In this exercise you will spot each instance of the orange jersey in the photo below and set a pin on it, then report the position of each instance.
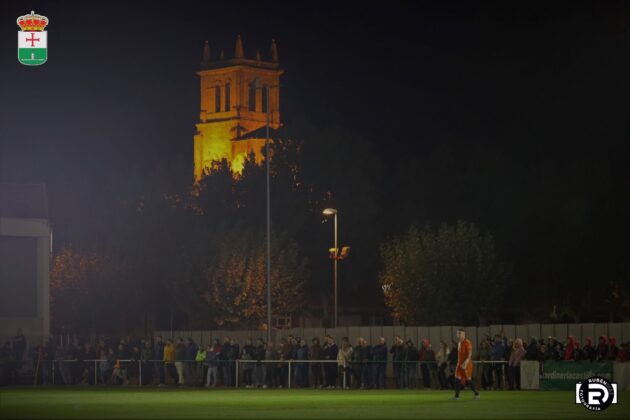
(464, 351)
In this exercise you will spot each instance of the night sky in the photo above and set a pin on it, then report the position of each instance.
(119, 94)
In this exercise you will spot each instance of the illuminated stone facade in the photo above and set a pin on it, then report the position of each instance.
(233, 107)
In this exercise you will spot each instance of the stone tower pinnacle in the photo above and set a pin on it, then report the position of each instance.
(238, 49)
(206, 52)
(274, 51)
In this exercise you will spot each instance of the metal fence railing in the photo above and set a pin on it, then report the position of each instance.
(248, 373)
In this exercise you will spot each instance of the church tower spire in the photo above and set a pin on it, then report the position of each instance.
(237, 95)
(274, 51)
(206, 53)
(238, 49)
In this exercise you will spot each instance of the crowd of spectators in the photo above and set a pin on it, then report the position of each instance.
(325, 364)
(499, 348)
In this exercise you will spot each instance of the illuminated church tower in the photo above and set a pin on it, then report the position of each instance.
(233, 107)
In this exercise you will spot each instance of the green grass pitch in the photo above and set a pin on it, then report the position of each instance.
(196, 403)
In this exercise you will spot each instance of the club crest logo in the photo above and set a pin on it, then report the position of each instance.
(32, 39)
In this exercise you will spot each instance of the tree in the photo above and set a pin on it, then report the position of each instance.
(448, 275)
(87, 292)
(232, 289)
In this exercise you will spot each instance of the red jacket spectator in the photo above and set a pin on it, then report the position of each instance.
(569, 348)
(602, 348)
(612, 349)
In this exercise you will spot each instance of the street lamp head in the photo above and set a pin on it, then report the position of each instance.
(329, 211)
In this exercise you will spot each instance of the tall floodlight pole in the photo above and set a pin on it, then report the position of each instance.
(267, 159)
(258, 85)
(334, 212)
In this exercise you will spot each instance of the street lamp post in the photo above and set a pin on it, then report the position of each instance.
(334, 212)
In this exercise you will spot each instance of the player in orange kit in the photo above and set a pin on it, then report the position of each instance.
(463, 371)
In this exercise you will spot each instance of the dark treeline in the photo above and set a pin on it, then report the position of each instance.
(167, 252)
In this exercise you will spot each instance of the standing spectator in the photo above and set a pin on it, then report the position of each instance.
(379, 359)
(429, 372)
(236, 350)
(302, 367)
(120, 366)
(569, 349)
(259, 356)
(330, 354)
(486, 371)
(286, 354)
(226, 350)
(190, 364)
(18, 346)
(517, 354)
(211, 361)
(578, 353)
(412, 356)
(588, 350)
(134, 356)
(442, 363)
(344, 356)
(169, 360)
(62, 356)
(452, 364)
(47, 366)
(180, 357)
(365, 355)
(201, 368)
(294, 347)
(497, 355)
(146, 355)
(602, 348)
(272, 369)
(613, 350)
(356, 366)
(397, 352)
(158, 359)
(531, 352)
(108, 367)
(105, 364)
(316, 368)
(624, 352)
(74, 352)
(88, 355)
(366, 374)
(247, 354)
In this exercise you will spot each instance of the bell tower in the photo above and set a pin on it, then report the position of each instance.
(234, 110)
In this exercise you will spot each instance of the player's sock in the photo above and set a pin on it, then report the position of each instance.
(471, 384)
(458, 386)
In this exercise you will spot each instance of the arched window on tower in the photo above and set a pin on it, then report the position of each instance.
(217, 99)
(265, 97)
(252, 97)
(227, 97)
